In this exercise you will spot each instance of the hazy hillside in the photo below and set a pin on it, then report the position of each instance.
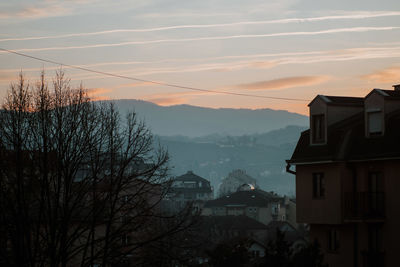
(194, 121)
(213, 157)
(213, 142)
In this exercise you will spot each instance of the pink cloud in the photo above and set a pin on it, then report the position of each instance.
(283, 83)
(98, 93)
(388, 75)
(169, 99)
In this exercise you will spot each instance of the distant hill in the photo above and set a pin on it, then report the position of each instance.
(213, 142)
(213, 157)
(192, 121)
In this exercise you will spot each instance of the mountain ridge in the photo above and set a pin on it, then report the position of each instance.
(196, 121)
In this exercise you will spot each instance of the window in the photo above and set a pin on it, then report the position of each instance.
(375, 123)
(374, 238)
(126, 240)
(333, 240)
(318, 128)
(318, 185)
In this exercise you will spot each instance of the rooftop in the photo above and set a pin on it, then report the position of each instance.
(347, 142)
(231, 222)
(252, 198)
(191, 177)
(341, 100)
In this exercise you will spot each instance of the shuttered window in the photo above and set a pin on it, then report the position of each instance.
(375, 123)
(318, 128)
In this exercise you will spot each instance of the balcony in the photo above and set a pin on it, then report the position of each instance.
(364, 206)
(373, 258)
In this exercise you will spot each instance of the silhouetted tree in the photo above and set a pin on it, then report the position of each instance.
(310, 256)
(230, 253)
(278, 252)
(79, 185)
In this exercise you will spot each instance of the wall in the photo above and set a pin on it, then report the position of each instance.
(320, 211)
(343, 257)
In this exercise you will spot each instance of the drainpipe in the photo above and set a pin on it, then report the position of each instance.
(288, 168)
(355, 227)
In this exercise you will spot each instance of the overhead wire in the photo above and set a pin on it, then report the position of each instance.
(148, 81)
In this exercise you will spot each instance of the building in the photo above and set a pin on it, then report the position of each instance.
(235, 179)
(222, 228)
(295, 238)
(254, 203)
(189, 187)
(347, 177)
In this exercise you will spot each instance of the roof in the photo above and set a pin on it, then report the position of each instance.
(253, 198)
(231, 222)
(290, 233)
(340, 100)
(281, 225)
(191, 177)
(191, 190)
(347, 142)
(393, 94)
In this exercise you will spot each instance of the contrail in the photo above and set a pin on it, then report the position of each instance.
(325, 56)
(281, 34)
(280, 58)
(364, 15)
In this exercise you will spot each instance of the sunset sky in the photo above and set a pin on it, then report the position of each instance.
(276, 48)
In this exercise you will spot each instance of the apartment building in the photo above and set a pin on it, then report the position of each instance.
(189, 187)
(347, 168)
(254, 203)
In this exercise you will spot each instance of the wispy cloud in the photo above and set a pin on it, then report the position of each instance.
(169, 99)
(59, 9)
(388, 75)
(297, 58)
(98, 93)
(41, 9)
(283, 83)
(248, 61)
(34, 12)
(8, 77)
(229, 37)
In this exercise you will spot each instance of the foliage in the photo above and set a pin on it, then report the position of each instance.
(79, 185)
(309, 256)
(230, 253)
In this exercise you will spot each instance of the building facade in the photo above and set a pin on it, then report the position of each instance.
(189, 187)
(347, 178)
(254, 203)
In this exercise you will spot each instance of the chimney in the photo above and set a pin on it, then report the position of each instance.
(396, 87)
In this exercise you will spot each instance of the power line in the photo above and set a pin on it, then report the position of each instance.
(149, 81)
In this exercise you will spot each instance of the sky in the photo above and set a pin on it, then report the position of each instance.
(291, 49)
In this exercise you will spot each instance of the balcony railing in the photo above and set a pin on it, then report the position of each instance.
(373, 258)
(364, 206)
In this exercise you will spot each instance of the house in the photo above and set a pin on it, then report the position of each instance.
(189, 187)
(230, 231)
(347, 169)
(235, 179)
(254, 203)
(221, 228)
(295, 238)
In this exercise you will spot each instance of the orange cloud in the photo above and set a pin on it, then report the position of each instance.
(169, 99)
(133, 85)
(284, 83)
(262, 64)
(388, 75)
(8, 77)
(97, 93)
(52, 10)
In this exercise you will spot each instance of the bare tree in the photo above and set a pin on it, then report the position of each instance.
(79, 184)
